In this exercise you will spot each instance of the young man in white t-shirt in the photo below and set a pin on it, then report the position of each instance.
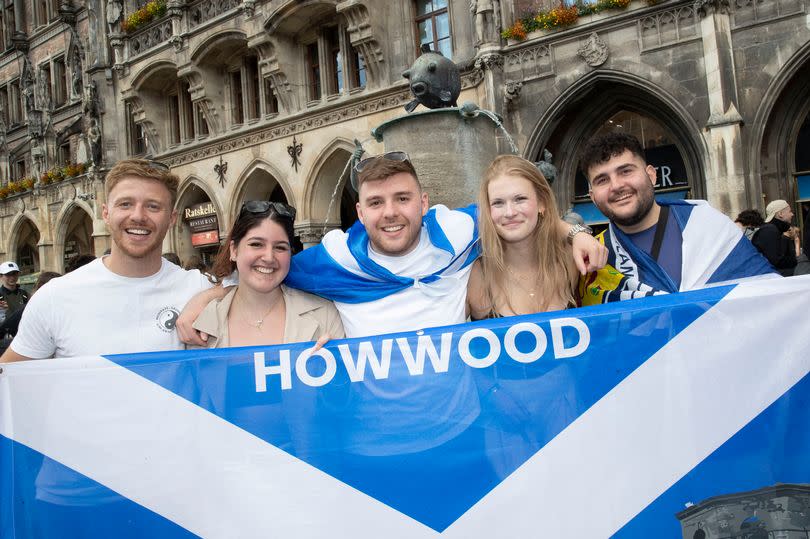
(127, 301)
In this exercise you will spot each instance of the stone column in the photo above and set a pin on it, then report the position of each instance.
(47, 257)
(312, 232)
(490, 62)
(19, 17)
(725, 173)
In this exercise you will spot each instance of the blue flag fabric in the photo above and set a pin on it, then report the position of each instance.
(655, 417)
(340, 269)
(714, 251)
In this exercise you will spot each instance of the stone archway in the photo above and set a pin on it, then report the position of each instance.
(582, 111)
(259, 181)
(780, 148)
(24, 247)
(329, 198)
(78, 236)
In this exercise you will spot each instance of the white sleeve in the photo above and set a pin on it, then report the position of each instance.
(35, 336)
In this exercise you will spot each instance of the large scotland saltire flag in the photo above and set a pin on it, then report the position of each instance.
(673, 416)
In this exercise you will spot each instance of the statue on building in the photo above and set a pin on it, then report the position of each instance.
(115, 12)
(546, 167)
(43, 92)
(90, 102)
(3, 140)
(92, 127)
(94, 141)
(487, 20)
(37, 155)
(27, 87)
(76, 83)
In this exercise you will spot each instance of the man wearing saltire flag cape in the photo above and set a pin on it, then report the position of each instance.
(656, 247)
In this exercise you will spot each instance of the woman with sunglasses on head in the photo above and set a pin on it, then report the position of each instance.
(526, 265)
(260, 310)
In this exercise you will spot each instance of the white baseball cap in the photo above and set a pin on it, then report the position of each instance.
(773, 208)
(8, 267)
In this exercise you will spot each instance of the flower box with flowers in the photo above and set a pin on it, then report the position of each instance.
(544, 22)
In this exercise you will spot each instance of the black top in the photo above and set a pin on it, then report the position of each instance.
(775, 246)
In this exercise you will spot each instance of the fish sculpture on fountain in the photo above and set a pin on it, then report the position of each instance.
(435, 81)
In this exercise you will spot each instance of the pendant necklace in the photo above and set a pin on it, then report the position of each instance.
(518, 282)
(258, 323)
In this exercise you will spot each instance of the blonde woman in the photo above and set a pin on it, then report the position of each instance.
(526, 264)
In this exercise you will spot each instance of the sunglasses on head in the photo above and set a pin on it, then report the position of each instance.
(158, 165)
(390, 156)
(264, 206)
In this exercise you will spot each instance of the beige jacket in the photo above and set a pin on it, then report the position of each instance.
(308, 317)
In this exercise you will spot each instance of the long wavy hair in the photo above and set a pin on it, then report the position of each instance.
(551, 252)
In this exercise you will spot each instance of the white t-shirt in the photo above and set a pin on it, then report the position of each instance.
(427, 410)
(417, 307)
(93, 311)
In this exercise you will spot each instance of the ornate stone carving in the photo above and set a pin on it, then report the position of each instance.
(594, 51)
(707, 7)
(202, 12)
(489, 61)
(177, 43)
(531, 63)
(312, 233)
(358, 24)
(249, 7)
(472, 78)
(292, 127)
(511, 92)
(151, 37)
(668, 27)
(211, 115)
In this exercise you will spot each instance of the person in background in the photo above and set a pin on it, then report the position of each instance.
(11, 323)
(749, 222)
(194, 262)
(776, 240)
(13, 298)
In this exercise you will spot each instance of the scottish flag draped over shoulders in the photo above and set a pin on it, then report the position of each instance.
(714, 251)
(340, 268)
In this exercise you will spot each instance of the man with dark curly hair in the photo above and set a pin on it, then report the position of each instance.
(656, 247)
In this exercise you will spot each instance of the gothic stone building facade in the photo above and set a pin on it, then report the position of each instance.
(249, 99)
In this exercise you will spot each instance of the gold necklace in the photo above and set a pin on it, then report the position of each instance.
(517, 280)
(258, 323)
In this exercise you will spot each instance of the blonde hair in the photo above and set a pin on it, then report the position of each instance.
(552, 257)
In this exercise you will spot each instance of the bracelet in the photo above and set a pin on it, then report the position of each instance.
(576, 229)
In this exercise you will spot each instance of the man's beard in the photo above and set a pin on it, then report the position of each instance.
(646, 200)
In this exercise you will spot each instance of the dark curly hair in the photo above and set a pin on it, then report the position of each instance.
(750, 217)
(602, 148)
